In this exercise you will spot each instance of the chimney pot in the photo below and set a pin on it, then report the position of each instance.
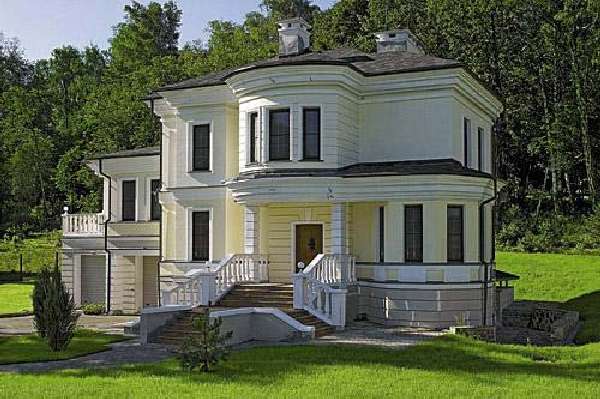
(398, 40)
(294, 37)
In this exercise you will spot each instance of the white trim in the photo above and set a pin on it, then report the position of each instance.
(189, 127)
(293, 248)
(188, 229)
(148, 198)
(120, 181)
(321, 107)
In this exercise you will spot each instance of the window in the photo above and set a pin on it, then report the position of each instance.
(481, 146)
(200, 238)
(311, 124)
(128, 200)
(201, 148)
(467, 141)
(253, 120)
(279, 135)
(413, 233)
(455, 238)
(154, 203)
(381, 234)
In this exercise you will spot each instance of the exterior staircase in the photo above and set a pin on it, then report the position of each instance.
(271, 295)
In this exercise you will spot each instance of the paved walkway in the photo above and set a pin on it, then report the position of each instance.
(364, 333)
(109, 324)
(121, 353)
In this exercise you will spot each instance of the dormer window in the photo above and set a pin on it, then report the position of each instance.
(279, 135)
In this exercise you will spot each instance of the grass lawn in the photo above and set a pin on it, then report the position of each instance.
(30, 348)
(573, 280)
(15, 297)
(38, 252)
(445, 367)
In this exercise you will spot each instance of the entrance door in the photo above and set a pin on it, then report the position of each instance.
(309, 242)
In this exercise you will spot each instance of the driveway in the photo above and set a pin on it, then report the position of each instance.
(109, 324)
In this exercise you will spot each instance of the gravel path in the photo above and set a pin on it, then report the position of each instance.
(109, 324)
(121, 353)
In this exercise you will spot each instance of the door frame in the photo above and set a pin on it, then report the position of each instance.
(293, 247)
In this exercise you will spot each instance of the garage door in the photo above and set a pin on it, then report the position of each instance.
(93, 279)
(150, 281)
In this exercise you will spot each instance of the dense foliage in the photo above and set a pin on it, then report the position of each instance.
(541, 57)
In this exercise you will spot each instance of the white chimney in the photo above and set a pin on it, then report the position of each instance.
(398, 40)
(294, 37)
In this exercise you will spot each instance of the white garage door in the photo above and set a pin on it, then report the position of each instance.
(93, 279)
(150, 281)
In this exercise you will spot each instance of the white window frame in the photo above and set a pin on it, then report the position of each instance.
(293, 249)
(190, 146)
(148, 197)
(301, 132)
(257, 139)
(120, 181)
(268, 109)
(188, 229)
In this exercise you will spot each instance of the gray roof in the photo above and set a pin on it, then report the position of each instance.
(138, 152)
(367, 64)
(368, 169)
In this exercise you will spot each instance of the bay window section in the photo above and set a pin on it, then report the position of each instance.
(128, 194)
(201, 148)
(279, 135)
(200, 236)
(413, 233)
(455, 234)
(311, 126)
(253, 120)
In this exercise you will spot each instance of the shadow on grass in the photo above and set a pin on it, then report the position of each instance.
(588, 306)
(446, 355)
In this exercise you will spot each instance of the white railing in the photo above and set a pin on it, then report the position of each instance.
(206, 285)
(83, 223)
(321, 287)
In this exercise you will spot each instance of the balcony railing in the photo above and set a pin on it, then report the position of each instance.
(83, 223)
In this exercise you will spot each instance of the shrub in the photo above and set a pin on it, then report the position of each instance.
(207, 348)
(92, 309)
(55, 318)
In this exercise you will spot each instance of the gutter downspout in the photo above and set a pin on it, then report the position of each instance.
(106, 222)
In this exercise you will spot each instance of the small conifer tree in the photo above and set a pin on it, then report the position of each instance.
(208, 347)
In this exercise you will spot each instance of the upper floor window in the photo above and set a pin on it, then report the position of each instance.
(455, 237)
(311, 124)
(128, 200)
(201, 147)
(279, 135)
(200, 236)
(413, 233)
(467, 142)
(154, 203)
(253, 120)
(481, 148)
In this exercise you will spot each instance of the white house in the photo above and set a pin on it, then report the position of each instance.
(365, 180)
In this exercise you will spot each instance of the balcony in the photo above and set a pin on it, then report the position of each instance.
(83, 224)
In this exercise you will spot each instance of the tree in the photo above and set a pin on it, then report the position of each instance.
(208, 347)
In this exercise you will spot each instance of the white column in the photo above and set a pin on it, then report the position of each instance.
(338, 228)
(252, 230)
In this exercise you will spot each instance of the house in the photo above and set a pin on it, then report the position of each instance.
(365, 181)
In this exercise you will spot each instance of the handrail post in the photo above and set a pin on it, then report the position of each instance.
(298, 281)
(207, 288)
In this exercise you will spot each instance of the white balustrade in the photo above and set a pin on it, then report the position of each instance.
(83, 223)
(321, 287)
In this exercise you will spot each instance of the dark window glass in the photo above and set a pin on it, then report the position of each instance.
(200, 236)
(381, 234)
(311, 123)
(128, 192)
(201, 147)
(455, 241)
(154, 203)
(279, 135)
(253, 130)
(467, 141)
(481, 146)
(413, 233)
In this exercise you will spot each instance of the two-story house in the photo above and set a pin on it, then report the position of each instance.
(366, 180)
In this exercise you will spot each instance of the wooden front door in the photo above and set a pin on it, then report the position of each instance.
(309, 242)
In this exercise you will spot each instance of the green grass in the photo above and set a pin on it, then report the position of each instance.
(16, 297)
(449, 367)
(573, 280)
(31, 348)
(38, 252)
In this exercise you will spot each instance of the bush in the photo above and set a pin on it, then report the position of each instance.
(55, 319)
(207, 348)
(92, 309)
